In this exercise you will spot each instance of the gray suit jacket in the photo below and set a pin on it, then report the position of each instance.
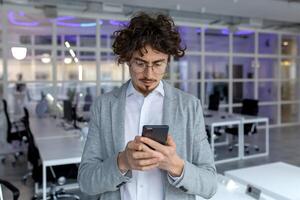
(98, 171)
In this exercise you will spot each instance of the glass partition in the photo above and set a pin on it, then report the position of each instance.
(187, 68)
(217, 40)
(243, 41)
(216, 67)
(243, 68)
(268, 43)
(191, 38)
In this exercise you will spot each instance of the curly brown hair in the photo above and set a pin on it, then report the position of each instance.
(156, 30)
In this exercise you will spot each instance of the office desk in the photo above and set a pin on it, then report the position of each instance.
(232, 190)
(49, 128)
(279, 180)
(215, 119)
(58, 151)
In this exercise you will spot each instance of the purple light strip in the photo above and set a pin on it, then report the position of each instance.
(12, 20)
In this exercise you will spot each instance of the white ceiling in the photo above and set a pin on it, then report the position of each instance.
(278, 10)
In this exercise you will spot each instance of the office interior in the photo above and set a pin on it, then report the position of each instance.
(59, 53)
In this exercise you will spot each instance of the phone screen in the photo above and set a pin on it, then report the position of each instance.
(159, 133)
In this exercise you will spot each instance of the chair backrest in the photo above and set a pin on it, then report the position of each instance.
(15, 191)
(250, 107)
(9, 125)
(33, 155)
(214, 101)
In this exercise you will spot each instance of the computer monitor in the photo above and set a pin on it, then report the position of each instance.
(68, 111)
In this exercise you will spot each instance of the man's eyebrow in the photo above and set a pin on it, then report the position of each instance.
(156, 61)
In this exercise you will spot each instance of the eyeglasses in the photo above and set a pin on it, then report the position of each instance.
(139, 66)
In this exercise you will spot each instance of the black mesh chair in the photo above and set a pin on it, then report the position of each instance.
(55, 175)
(214, 101)
(249, 107)
(15, 132)
(15, 191)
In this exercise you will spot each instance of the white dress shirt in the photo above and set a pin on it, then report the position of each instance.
(140, 111)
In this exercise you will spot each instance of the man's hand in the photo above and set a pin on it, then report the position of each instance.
(137, 156)
(169, 160)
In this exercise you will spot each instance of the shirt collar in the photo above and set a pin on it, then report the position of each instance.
(159, 89)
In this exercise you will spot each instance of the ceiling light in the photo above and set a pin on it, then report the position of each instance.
(19, 53)
(285, 43)
(76, 60)
(46, 58)
(68, 60)
(72, 53)
(67, 44)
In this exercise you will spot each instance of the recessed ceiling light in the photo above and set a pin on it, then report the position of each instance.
(285, 43)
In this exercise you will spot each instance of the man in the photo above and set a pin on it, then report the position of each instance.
(117, 162)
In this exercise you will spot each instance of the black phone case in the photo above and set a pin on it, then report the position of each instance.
(159, 133)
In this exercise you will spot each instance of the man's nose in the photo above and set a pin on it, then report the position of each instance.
(148, 71)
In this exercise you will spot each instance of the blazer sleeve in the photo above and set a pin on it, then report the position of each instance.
(98, 173)
(200, 177)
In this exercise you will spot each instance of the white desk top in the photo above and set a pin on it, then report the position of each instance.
(231, 190)
(278, 180)
(49, 128)
(59, 151)
(216, 117)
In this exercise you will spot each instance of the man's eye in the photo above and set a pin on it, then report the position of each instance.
(158, 64)
(139, 63)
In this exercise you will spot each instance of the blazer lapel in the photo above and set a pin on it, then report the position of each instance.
(169, 108)
(118, 118)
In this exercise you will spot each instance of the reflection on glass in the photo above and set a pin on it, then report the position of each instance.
(242, 90)
(191, 37)
(21, 25)
(110, 70)
(87, 40)
(217, 87)
(31, 67)
(72, 39)
(81, 94)
(187, 68)
(268, 68)
(243, 41)
(289, 69)
(289, 45)
(217, 40)
(108, 27)
(193, 88)
(269, 112)
(43, 39)
(107, 87)
(216, 67)
(290, 113)
(28, 96)
(290, 90)
(243, 68)
(268, 43)
(268, 91)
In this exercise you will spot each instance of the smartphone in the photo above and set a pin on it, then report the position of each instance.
(159, 133)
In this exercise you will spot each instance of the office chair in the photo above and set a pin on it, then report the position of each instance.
(54, 174)
(15, 191)
(15, 131)
(214, 102)
(249, 107)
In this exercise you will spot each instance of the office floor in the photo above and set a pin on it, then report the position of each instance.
(284, 146)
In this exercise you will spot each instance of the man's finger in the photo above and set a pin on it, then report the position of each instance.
(155, 145)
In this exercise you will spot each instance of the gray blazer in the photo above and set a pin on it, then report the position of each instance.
(98, 171)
